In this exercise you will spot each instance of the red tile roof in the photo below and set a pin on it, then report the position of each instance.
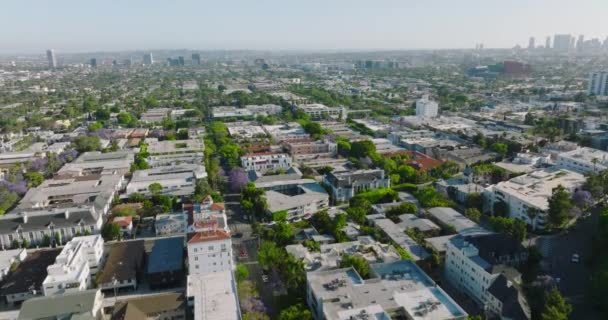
(123, 221)
(212, 235)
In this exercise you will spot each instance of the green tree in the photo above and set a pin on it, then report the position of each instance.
(279, 216)
(95, 126)
(110, 231)
(85, 144)
(124, 118)
(556, 307)
(473, 214)
(269, 255)
(155, 188)
(283, 233)
(295, 312)
(500, 148)
(33, 178)
(361, 149)
(358, 263)
(559, 206)
(474, 200)
(241, 272)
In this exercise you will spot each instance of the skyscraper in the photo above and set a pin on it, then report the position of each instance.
(181, 61)
(148, 60)
(561, 42)
(50, 56)
(196, 58)
(531, 43)
(548, 43)
(580, 42)
(93, 63)
(598, 83)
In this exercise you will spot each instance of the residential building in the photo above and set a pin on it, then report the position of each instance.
(160, 306)
(171, 224)
(196, 58)
(75, 305)
(125, 223)
(526, 196)
(458, 188)
(292, 131)
(330, 255)
(397, 235)
(397, 290)
(450, 218)
(92, 191)
(344, 185)
(423, 225)
(206, 215)
(8, 258)
(301, 198)
(426, 108)
(598, 83)
(583, 160)
(318, 111)
(267, 162)
(210, 251)
(92, 163)
(37, 226)
(308, 149)
(124, 266)
(173, 147)
(72, 270)
(213, 296)
(177, 180)
(25, 281)
(166, 263)
(481, 267)
(249, 111)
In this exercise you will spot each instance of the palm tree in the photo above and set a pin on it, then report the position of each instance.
(594, 161)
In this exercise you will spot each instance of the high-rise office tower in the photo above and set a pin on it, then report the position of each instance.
(93, 63)
(148, 60)
(548, 43)
(531, 43)
(580, 42)
(196, 58)
(50, 56)
(561, 42)
(181, 61)
(598, 83)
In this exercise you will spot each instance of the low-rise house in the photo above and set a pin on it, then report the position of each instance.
(75, 305)
(178, 180)
(171, 224)
(311, 149)
(151, 307)
(8, 258)
(481, 267)
(412, 221)
(213, 296)
(73, 267)
(25, 281)
(458, 189)
(125, 223)
(345, 185)
(395, 290)
(166, 263)
(318, 111)
(124, 266)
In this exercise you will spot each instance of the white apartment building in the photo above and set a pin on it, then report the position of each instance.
(73, 267)
(345, 185)
(210, 251)
(213, 296)
(598, 83)
(527, 196)
(178, 180)
(584, 160)
(426, 108)
(265, 163)
(475, 265)
(318, 111)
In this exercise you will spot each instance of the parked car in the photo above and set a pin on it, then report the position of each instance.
(575, 258)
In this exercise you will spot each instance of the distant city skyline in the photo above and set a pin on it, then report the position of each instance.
(71, 26)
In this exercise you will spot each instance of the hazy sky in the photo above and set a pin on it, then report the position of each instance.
(28, 26)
